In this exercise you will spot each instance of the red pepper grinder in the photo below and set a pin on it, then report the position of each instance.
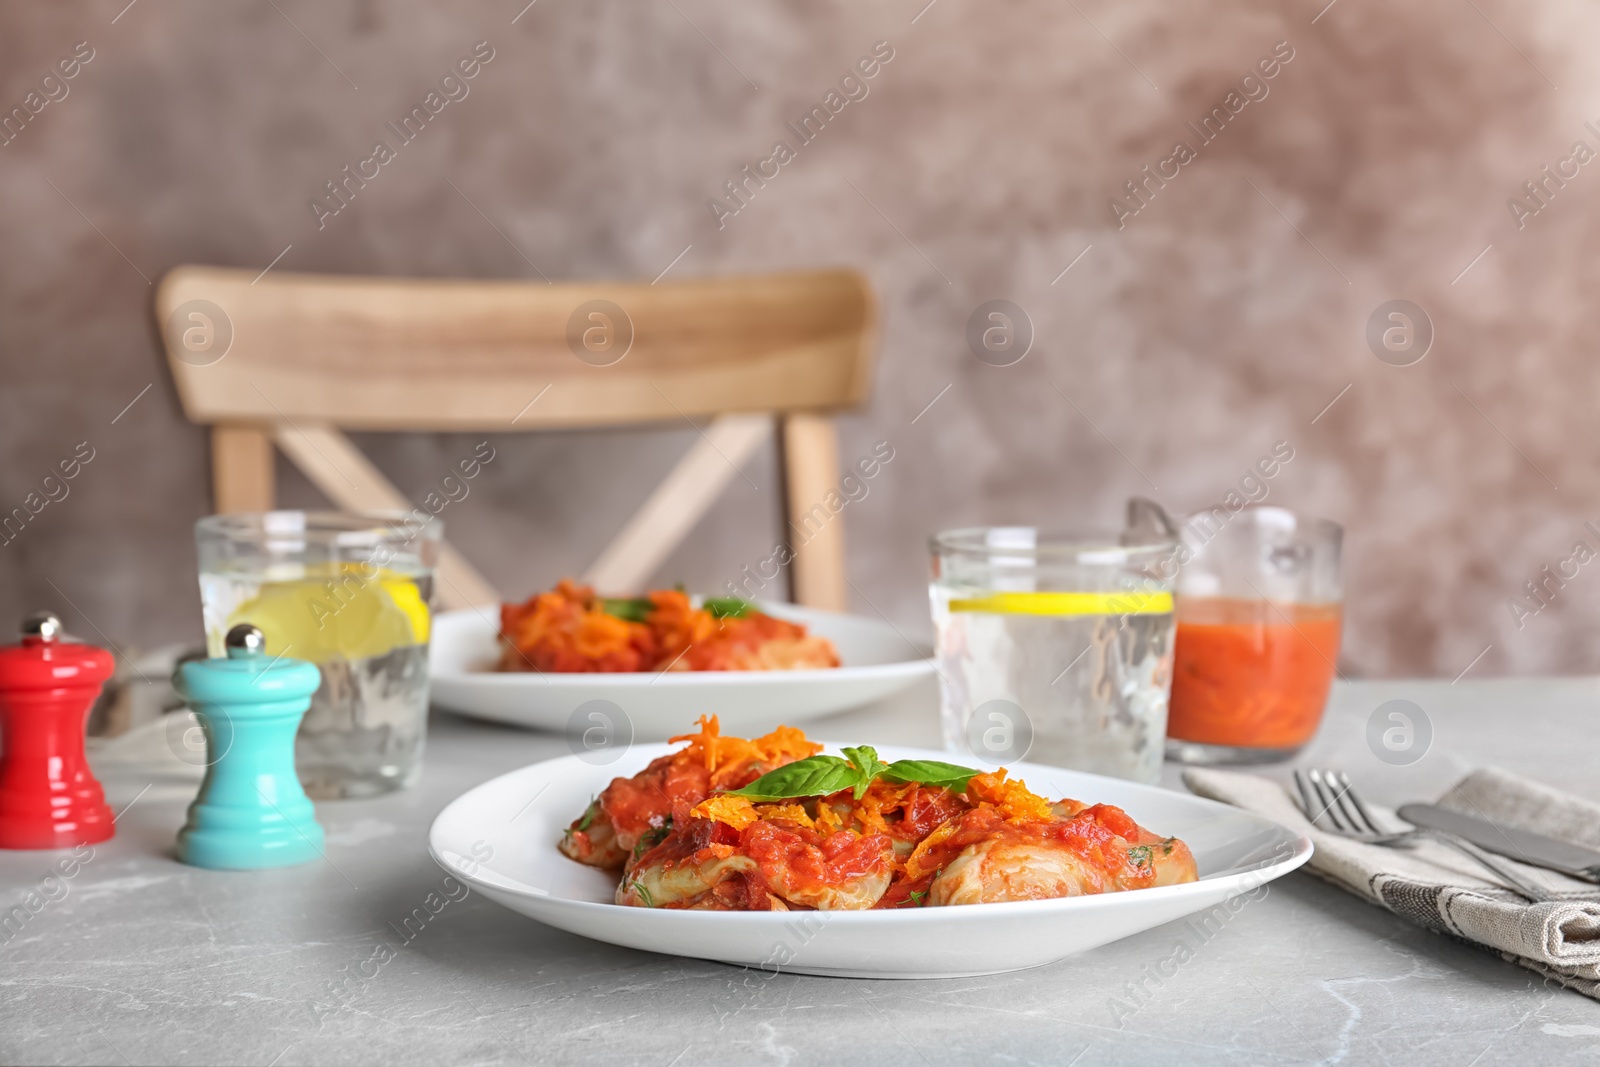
(48, 796)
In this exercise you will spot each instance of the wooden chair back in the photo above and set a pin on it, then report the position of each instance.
(293, 360)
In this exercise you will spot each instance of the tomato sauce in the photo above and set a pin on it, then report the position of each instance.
(689, 840)
(925, 811)
(1250, 673)
(631, 803)
(806, 860)
(1100, 836)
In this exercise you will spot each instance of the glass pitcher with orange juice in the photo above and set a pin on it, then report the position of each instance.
(1259, 608)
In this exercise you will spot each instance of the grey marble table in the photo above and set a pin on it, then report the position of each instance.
(143, 960)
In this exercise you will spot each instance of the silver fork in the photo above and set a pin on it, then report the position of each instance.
(1331, 804)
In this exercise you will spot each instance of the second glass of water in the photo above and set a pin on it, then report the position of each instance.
(1054, 647)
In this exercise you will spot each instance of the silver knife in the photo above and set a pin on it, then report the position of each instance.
(1578, 861)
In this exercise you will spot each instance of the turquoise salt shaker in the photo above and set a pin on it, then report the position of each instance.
(251, 812)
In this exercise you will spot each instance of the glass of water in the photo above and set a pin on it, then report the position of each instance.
(1055, 647)
(351, 593)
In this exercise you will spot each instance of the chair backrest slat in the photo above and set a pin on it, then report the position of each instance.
(424, 354)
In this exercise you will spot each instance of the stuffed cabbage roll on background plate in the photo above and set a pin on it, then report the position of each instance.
(662, 682)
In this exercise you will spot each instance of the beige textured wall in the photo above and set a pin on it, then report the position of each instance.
(1222, 318)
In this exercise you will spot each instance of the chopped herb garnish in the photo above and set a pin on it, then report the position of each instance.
(588, 814)
(652, 837)
(643, 893)
(1139, 855)
(917, 898)
(726, 607)
(1166, 847)
(632, 609)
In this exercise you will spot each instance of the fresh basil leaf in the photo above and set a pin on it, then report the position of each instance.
(631, 609)
(726, 607)
(930, 772)
(814, 776)
(866, 761)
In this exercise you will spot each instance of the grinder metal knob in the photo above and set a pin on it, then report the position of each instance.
(244, 639)
(44, 625)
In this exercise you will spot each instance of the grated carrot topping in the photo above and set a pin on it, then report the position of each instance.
(704, 743)
(736, 812)
(1014, 800)
(828, 820)
(787, 813)
(569, 629)
(882, 798)
(917, 863)
(599, 634)
(731, 758)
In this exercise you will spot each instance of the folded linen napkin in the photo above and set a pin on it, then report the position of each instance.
(1441, 890)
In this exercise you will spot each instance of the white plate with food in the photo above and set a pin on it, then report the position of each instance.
(663, 659)
(730, 850)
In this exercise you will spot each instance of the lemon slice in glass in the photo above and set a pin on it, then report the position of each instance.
(342, 616)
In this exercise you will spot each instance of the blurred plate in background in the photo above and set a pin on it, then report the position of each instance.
(877, 662)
